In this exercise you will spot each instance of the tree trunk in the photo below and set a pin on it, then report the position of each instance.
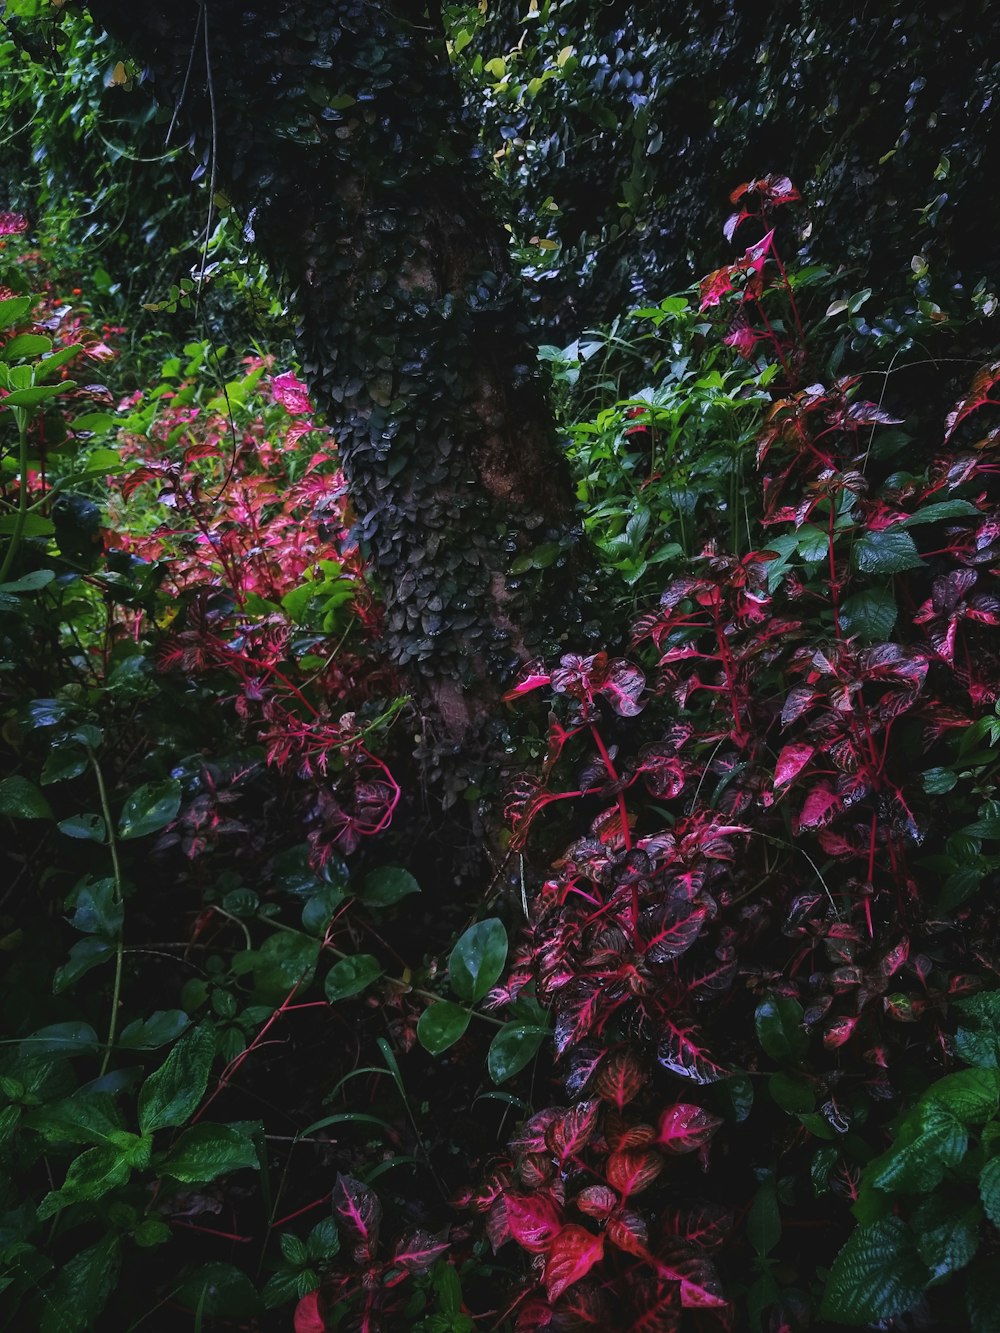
(337, 130)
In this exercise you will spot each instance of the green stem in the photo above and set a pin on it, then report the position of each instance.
(102, 792)
(22, 493)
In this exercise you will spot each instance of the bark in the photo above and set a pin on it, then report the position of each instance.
(337, 130)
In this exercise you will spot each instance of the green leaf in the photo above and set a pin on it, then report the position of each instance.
(982, 1296)
(778, 1022)
(58, 1041)
(36, 394)
(150, 808)
(90, 1176)
(977, 1040)
(971, 1096)
(48, 366)
(74, 1302)
(870, 614)
(764, 1220)
(171, 1094)
(96, 909)
(25, 345)
(90, 828)
(62, 763)
(219, 1291)
(441, 1025)
(293, 1249)
(161, 1027)
(282, 963)
(350, 976)
(514, 1047)
(989, 1189)
(387, 885)
(31, 582)
(878, 1274)
(13, 309)
(87, 1117)
(280, 1288)
(888, 551)
(83, 956)
(21, 799)
(933, 513)
(930, 1140)
(204, 1152)
(947, 1232)
(477, 959)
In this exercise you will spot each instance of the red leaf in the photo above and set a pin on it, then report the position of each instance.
(699, 1282)
(715, 286)
(620, 1078)
(821, 805)
(706, 1225)
(533, 1220)
(670, 930)
(977, 396)
(291, 393)
(622, 687)
(418, 1250)
(573, 1129)
(497, 1226)
(627, 1230)
(791, 761)
(685, 1127)
(597, 1200)
(307, 1315)
(631, 1170)
(681, 1053)
(838, 1031)
(358, 1208)
(531, 677)
(12, 223)
(572, 1256)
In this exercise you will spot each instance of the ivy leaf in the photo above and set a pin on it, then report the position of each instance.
(204, 1152)
(170, 1095)
(350, 976)
(477, 959)
(878, 1274)
(441, 1025)
(888, 551)
(150, 808)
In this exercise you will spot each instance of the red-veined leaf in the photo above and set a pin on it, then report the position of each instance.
(700, 1286)
(821, 805)
(631, 1170)
(620, 1078)
(530, 677)
(573, 1129)
(597, 1200)
(627, 1231)
(622, 687)
(685, 1127)
(670, 929)
(681, 1052)
(417, 1250)
(573, 1254)
(706, 1225)
(791, 761)
(359, 1209)
(291, 393)
(534, 1221)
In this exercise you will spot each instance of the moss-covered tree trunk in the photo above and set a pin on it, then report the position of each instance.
(337, 130)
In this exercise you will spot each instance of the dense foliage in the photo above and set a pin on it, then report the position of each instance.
(714, 1041)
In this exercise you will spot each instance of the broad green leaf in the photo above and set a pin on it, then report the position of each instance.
(84, 955)
(977, 1040)
(48, 366)
(989, 1189)
(90, 1176)
(150, 808)
(36, 394)
(876, 1275)
(947, 1232)
(350, 976)
(971, 1096)
(441, 1025)
(929, 1142)
(204, 1152)
(87, 1117)
(13, 309)
(74, 1302)
(89, 828)
(25, 345)
(764, 1220)
(21, 799)
(170, 1095)
(161, 1027)
(32, 582)
(283, 962)
(933, 513)
(62, 763)
(477, 959)
(870, 614)
(387, 885)
(888, 551)
(96, 908)
(58, 1041)
(982, 1296)
(514, 1047)
(778, 1022)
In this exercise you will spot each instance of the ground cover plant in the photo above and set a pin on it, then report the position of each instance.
(715, 1042)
